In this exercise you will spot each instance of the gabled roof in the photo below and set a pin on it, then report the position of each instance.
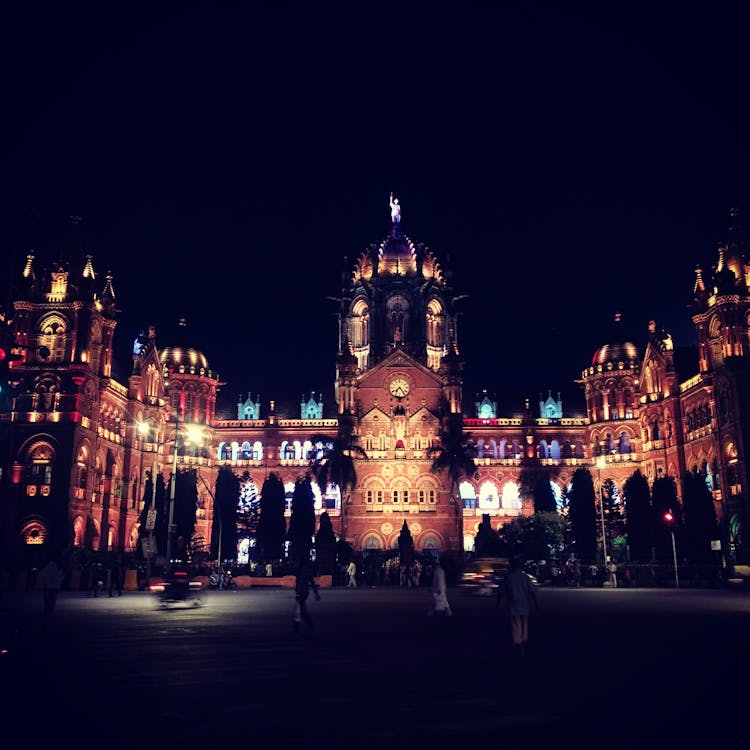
(399, 358)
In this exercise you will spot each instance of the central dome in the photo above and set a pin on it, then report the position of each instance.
(397, 256)
(616, 351)
(185, 360)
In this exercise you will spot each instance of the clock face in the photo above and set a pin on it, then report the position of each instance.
(399, 387)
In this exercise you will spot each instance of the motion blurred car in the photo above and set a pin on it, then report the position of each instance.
(482, 577)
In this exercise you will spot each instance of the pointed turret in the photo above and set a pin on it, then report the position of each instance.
(736, 251)
(107, 298)
(28, 272)
(88, 268)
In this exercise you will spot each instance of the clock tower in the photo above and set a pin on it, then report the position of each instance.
(399, 376)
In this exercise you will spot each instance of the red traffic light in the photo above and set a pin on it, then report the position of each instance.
(3, 354)
(668, 517)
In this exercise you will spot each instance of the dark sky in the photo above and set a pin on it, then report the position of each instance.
(572, 161)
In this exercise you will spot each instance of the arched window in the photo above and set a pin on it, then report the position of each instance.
(488, 496)
(34, 532)
(467, 494)
(554, 450)
(609, 444)
(39, 466)
(52, 334)
(655, 434)
(245, 452)
(431, 546)
(511, 497)
(257, 454)
(288, 494)
(79, 527)
(371, 543)
(624, 443)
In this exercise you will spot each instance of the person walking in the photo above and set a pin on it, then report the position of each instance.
(351, 571)
(116, 575)
(440, 603)
(304, 583)
(416, 572)
(518, 590)
(612, 570)
(97, 578)
(52, 578)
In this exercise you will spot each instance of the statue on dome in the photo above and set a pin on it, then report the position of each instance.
(395, 209)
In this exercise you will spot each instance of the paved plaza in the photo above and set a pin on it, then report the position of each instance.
(605, 668)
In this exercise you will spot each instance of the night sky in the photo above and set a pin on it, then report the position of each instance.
(571, 161)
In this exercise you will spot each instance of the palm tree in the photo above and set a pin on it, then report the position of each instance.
(334, 462)
(455, 457)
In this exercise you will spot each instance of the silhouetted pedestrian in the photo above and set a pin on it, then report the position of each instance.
(116, 576)
(304, 582)
(97, 578)
(518, 590)
(52, 578)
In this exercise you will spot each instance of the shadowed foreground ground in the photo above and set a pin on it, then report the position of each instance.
(605, 669)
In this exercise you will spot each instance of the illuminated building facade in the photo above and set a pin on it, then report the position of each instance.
(77, 443)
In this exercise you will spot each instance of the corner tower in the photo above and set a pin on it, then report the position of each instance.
(721, 314)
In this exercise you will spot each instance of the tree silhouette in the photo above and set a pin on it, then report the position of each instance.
(325, 545)
(334, 462)
(614, 520)
(271, 532)
(638, 525)
(405, 545)
(454, 456)
(535, 483)
(184, 512)
(224, 527)
(663, 499)
(701, 524)
(302, 521)
(247, 514)
(582, 514)
(536, 537)
(487, 542)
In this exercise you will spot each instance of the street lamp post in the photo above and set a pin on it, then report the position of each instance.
(600, 463)
(143, 430)
(190, 434)
(669, 518)
(170, 522)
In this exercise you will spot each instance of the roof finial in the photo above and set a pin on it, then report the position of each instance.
(699, 284)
